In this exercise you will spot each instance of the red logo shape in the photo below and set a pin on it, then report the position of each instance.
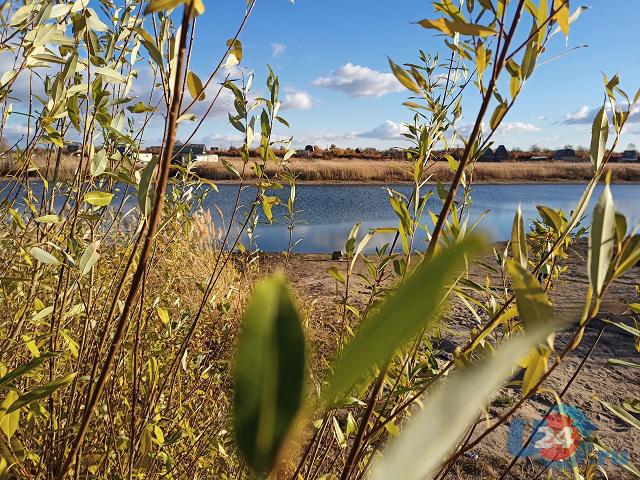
(560, 438)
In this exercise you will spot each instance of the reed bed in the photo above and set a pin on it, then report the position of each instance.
(331, 171)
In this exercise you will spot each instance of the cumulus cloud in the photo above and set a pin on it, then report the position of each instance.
(359, 81)
(388, 130)
(517, 127)
(296, 100)
(217, 139)
(277, 49)
(583, 115)
(504, 128)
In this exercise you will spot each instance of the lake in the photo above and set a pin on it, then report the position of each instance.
(328, 212)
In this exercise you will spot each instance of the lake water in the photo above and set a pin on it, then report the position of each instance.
(328, 212)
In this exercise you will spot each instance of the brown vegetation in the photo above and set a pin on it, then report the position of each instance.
(398, 171)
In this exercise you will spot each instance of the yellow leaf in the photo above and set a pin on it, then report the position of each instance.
(9, 422)
(457, 26)
(536, 368)
(562, 16)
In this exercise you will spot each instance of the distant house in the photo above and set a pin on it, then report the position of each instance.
(210, 158)
(566, 155)
(72, 147)
(501, 155)
(629, 156)
(188, 149)
(394, 153)
(487, 156)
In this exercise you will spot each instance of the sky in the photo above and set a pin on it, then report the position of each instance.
(336, 85)
(331, 57)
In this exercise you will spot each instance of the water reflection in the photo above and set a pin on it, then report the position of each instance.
(328, 212)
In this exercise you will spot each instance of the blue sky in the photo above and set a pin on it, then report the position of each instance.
(331, 59)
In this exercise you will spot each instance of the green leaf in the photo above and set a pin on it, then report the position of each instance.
(336, 273)
(403, 77)
(269, 373)
(145, 193)
(110, 74)
(533, 305)
(622, 363)
(41, 392)
(629, 256)
(414, 306)
(497, 115)
(519, 241)
(89, 258)
(550, 217)
(50, 219)
(599, 135)
(98, 198)
(27, 367)
(43, 256)
(230, 168)
(140, 107)
(98, 163)
(360, 248)
(434, 432)
(194, 84)
(602, 240)
(621, 413)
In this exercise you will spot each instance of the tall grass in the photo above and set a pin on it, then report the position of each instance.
(387, 171)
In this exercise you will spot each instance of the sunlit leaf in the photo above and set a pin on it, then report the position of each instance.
(602, 240)
(457, 26)
(98, 198)
(43, 256)
(39, 393)
(89, 258)
(519, 240)
(194, 84)
(599, 135)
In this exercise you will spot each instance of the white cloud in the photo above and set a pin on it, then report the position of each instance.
(585, 115)
(582, 115)
(386, 131)
(359, 81)
(277, 49)
(222, 139)
(296, 100)
(517, 127)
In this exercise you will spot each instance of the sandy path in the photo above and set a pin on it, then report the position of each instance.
(316, 289)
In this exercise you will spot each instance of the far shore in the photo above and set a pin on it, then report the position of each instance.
(383, 172)
(371, 172)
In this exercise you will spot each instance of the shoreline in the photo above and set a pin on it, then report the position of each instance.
(367, 183)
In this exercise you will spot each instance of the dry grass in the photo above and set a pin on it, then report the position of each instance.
(397, 171)
(357, 170)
